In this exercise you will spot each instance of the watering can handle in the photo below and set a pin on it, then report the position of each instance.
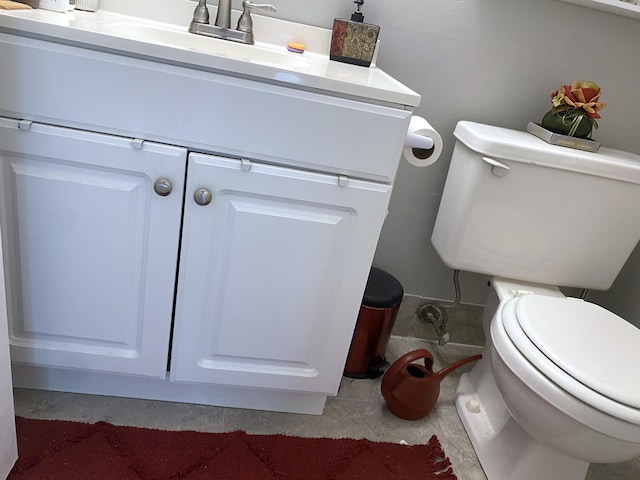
(392, 375)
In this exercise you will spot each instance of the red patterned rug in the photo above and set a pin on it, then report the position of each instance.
(57, 450)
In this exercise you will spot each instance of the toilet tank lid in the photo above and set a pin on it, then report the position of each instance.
(521, 146)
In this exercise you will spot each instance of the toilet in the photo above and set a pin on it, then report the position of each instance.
(559, 383)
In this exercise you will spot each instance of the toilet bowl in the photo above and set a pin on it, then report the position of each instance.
(527, 417)
(556, 388)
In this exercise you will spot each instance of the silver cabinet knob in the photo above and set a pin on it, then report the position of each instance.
(202, 196)
(163, 187)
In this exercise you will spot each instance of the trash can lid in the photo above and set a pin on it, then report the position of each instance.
(383, 290)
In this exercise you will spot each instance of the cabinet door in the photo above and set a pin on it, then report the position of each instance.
(8, 442)
(90, 249)
(272, 273)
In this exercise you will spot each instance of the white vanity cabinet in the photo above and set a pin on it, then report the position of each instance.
(270, 265)
(242, 286)
(270, 273)
(90, 248)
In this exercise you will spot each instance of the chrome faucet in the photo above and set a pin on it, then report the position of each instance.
(222, 27)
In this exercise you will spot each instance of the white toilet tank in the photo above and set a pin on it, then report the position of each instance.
(557, 216)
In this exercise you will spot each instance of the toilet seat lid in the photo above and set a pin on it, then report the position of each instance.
(594, 346)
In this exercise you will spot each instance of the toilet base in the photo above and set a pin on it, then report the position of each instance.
(504, 449)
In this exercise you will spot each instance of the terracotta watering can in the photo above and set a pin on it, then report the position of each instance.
(411, 390)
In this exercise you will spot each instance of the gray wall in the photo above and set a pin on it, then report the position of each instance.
(623, 298)
(491, 61)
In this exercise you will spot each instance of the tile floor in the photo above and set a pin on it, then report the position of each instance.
(357, 412)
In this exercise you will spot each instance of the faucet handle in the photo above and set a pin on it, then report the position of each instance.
(201, 13)
(263, 7)
(245, 22)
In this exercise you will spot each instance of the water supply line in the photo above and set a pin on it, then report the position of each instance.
(436, 313)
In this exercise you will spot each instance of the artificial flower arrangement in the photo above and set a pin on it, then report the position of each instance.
(575, 110)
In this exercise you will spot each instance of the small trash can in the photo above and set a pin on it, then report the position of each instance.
(378, 312)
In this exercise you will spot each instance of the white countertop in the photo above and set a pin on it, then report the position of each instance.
(310, 71)
(612, 6)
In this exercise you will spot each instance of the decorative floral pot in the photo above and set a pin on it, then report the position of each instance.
(571, 122)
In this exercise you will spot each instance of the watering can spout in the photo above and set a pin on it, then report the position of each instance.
(450, 368)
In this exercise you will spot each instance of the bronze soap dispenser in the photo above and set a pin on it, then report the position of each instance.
(354, 41)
